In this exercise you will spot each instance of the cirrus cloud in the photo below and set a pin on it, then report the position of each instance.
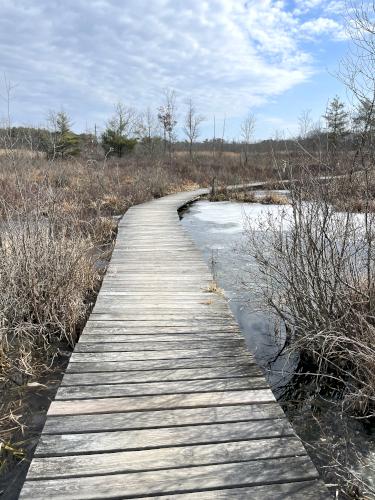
(85, 55)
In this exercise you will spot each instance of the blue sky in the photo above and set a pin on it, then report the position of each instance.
(274, 58)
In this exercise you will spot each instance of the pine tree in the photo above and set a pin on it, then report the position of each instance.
(68, 141)
(364, 120)
(337, 121)
(61, 141)
(116, 138)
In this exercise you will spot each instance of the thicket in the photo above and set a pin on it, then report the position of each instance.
(318, 268)
(58, 218)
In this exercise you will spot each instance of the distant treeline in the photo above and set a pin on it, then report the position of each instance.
(41, 139)
(129, 130)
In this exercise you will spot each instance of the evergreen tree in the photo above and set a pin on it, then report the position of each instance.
(61, 141)
(116, 138)
(364, 120)
(337, 121)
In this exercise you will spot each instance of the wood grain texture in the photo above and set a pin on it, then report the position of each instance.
(187, 374)
(301, 490)
(159, 402)
(61, 444)
(161, 396)
(70, 424)
(77, 366)
(173, 481)
(164, 458)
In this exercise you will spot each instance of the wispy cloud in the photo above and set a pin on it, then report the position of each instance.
(326, 26)
(85, 55)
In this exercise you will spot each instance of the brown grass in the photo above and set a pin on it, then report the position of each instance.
(318, 278)
(273, 199)
(244, 196)
(213, 287)
(57, 219)
(47, 273)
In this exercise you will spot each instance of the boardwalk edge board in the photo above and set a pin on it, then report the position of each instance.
(161, 397)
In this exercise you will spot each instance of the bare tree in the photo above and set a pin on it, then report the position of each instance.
(167, 118)
(124, 118)
(357, 72)
(149, 131)
(8, 140)
(318, 264)
(192, 123)
(222, 136)
(305, 124)
(214, 139)
(247, 131)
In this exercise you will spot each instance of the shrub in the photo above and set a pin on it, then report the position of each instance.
(46, 271)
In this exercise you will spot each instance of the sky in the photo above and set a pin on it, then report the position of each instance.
(272, 58)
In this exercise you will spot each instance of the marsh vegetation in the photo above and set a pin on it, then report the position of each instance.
(62, 194)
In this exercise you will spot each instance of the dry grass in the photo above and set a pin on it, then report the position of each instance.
(244, 196)
(319, 274)
(20, 153)
(273, 199)
(233, 195)
(47, 273)
(46, 269)
(57, 219)
(213, 287)
(209, 154)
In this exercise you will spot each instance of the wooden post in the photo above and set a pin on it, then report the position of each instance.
(213, 186)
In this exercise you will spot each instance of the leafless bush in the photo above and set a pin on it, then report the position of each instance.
(318, 268)
(319, 271)
(46, 271)
(56, 218)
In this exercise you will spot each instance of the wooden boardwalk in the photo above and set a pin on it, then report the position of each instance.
(161, 396)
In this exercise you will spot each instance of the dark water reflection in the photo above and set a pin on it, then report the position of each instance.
(218, 228)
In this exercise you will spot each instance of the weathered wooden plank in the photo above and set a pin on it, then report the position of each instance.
(156, 341)
(174, 326)
(225, 343)
(130, 310)
(129, 377)
(164, 458)
(138, 403)
(166, 387)
(76, 366)
(172, 481)
(150, 337)
(299, 490)
(104, 354)
(163, 268)
(160, 396)
(99, 442)
(161, 294)
(154, 317)
(154, 298)
(69, 424)
(183, 351)
(152, 290)
(202, 306)
(128, 260)
(166, 277)
(145, 327)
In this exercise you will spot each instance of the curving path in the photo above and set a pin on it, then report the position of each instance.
(161, 396)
